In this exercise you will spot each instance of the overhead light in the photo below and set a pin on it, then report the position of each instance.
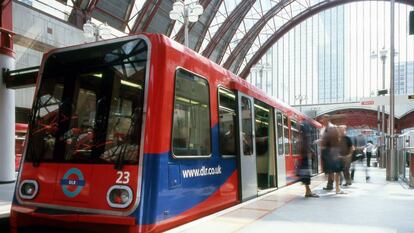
(193, 18)
(197, 10)
(130, 84)
(175, 15)
(186, 11)
(178, 6)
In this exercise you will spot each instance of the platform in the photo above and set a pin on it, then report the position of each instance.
(369, 206)
(6, 196)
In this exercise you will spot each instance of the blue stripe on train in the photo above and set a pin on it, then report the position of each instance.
(166, 193)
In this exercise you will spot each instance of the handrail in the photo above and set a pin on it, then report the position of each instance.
(21, 78)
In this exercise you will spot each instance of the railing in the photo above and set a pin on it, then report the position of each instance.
(405, 162)
(22, 78)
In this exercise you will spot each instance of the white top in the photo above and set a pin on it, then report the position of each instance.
(369, 147)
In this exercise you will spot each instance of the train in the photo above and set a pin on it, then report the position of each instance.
(141, 134)
(20, 135)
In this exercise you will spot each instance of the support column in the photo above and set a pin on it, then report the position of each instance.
(383, 147)
(7, 104)
(7, 125)
(391, 171)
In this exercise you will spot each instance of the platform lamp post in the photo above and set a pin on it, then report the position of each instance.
(186, 12)
(301, 98)
(259, 68)
(383, 56)
(96, 31)
(391, 172)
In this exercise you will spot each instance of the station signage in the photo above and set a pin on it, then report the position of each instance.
(368, 102)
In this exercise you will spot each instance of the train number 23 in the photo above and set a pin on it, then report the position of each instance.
(123, 177)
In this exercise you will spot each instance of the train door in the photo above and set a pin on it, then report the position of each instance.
(247, 161)
(281, 161)
(265, 147)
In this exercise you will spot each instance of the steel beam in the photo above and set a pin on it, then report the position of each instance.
(216, 48)
(233, 62)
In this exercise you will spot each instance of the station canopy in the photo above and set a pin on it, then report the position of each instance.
(232, 33)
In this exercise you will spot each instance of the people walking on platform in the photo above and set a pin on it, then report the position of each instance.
(305, 167)
(335, 164)
(358, 154)
(369, 148)
(326, 125)
(346, 149)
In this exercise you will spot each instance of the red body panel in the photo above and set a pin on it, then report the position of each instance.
(98, 179)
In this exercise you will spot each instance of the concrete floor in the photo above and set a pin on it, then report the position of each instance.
(369, 206)
(6, 196)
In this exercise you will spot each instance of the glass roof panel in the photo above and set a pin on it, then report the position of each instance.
(259, 9)
(135, 12)
(273, 25)
(224, 11)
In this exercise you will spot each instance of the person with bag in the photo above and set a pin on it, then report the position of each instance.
(325, 121)
(346, 153)
(304, 169)
(334, 161)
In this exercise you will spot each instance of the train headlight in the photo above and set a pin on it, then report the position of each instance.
(119, 196)
(28, 189)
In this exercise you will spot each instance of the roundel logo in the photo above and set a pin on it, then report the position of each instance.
(72, 182)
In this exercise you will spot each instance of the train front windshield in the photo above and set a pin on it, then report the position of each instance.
(89, 106)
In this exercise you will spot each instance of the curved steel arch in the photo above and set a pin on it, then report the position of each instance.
(244, 45)
(309, 12)
(216, 48)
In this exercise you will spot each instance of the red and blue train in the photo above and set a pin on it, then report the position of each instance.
(141, 134)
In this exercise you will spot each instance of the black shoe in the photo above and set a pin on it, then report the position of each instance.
(367, 177)
(327, 188)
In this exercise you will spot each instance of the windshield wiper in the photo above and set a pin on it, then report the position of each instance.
(35, 157)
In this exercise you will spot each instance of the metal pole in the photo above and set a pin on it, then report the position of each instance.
(186, 26)
(96, 32)
(383, 56)
(391, 159)
(383, 59)
(379, 120)
(383, 151)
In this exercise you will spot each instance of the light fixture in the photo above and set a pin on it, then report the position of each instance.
(186, 12)
(95, 31)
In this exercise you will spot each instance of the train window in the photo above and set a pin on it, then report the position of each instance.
(280, 145)
(90, 104)
(191, 121)
(295, 137)
(227, 122)
(263, 119)
(286, 136)
(247, 127)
